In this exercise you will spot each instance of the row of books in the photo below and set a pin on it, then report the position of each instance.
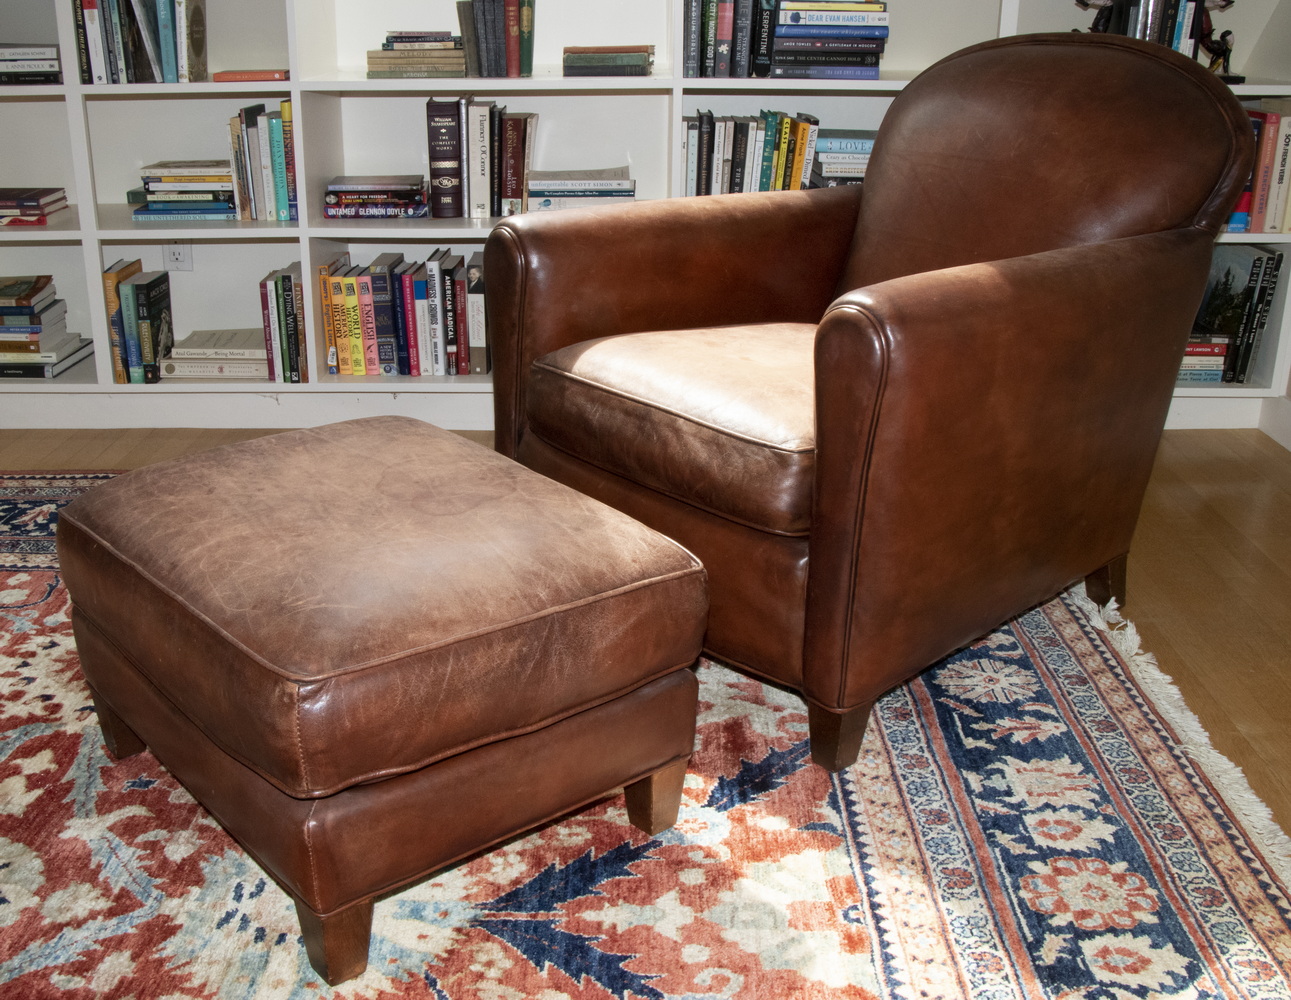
(405, 317)
(27, 64)
(497, 36)
(1176, 24)
(1228, 332)
(774, 151)
(480, 157)
(788, 39)
(1265, 203)
(30, 206)
(34, 339)
(141, 328)
(140, 41)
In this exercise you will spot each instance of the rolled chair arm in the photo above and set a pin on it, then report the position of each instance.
(984, 438)
(559, 278)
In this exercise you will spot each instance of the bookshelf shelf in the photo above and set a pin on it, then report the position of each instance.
(92, 139)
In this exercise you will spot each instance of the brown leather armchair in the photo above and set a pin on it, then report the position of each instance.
(888, 418)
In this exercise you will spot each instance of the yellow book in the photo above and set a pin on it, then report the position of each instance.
(326, 269)
(802, 148)
(353, 322)
(340, 325)
(782, 161)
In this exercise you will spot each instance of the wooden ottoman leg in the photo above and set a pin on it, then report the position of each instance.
(654, 801)
(121, 740)
(337, 944)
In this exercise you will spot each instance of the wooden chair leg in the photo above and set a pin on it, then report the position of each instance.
(1108, 582)
(654, 801)
(836, 736)
(121, 740)
(337, 944)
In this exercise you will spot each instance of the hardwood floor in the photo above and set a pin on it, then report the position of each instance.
(1209, 575)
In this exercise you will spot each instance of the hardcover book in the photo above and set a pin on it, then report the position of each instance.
(444, 136)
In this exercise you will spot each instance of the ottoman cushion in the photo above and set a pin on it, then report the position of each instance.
(342, 604)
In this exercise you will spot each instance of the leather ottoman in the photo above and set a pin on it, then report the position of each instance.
(373, 648)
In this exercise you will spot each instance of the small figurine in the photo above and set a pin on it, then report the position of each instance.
(1220, 50)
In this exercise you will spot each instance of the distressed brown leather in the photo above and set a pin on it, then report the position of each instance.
(997, 319)
(343, 604)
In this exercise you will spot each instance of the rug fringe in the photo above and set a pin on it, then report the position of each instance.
(1256, 818)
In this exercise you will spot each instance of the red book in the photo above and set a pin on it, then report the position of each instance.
(511, 15)
(249, 75)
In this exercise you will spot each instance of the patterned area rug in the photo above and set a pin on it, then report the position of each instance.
(1034, 817)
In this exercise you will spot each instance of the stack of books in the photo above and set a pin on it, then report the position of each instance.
(23, 64)
(841, 156)
(141, 42)
(413, 54)
(396, 316)
(262, 151)
(30, 206)
(376, 196)
(186, 191)
(608, 60)
(1228, 331)
(729, 154)
(829, 39)
(556, 189)
(218, 354)
(34, 339)
(805, 39)
(497, 36)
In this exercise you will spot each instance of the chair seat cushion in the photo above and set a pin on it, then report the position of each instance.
(722, 418)
(347, 603)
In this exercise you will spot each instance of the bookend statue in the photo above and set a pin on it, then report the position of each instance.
(1113, 16)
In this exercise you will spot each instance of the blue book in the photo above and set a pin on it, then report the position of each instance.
(278, 160)
(166, 41)
(130, 330)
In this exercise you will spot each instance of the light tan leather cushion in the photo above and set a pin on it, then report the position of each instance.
(721, 418)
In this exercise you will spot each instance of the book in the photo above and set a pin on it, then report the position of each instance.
(1262, 176)
(405, 322)
(31, 197)
(55, 348)
(246, 343)
(113, 275)
(20, 318)
(278, 167)
(28, 290)
(271, 325)
(324, 272)
(374, 363)
(156, 333)
(455, 276)
(268, 190)
(479, 156)
(249, 75)
(291, 292)
(448, 263)
(436, 328)
(1227, 307)
(443, 127)
(1249, 348)
(190, 40)
(526, 37)
(338, 348)
(130, 330)
(476, 321)
(215, 368)
(389, 351)
(166, 40)
(47, 369)
(353, 322)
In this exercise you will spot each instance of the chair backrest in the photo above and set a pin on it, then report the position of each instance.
(1033, 142)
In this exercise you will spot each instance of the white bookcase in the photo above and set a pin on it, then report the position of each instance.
(93, 140)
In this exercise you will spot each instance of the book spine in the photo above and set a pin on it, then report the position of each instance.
(268, 320)
(511, 26)
(479, 149)
(338, 356)
(82, 42)
(742, 38)
(289, 158)
(709, 64)
(368, 327)
(405, 317)
(278, 165)
(295, 362)
(477, 328)
(130, 326)
(445, 149)
(354, 324)
(147, 345)
(166, 39)
(269, 211)
(692, 42)
(450, 323)
(391, 354)
(526, 37)
(435, 332)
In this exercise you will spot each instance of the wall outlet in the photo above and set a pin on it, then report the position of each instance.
(179, 257)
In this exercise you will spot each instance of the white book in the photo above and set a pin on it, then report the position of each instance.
(94, 42)
(479, 156)
(435, 314)
(268, 208)
(245, 342)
